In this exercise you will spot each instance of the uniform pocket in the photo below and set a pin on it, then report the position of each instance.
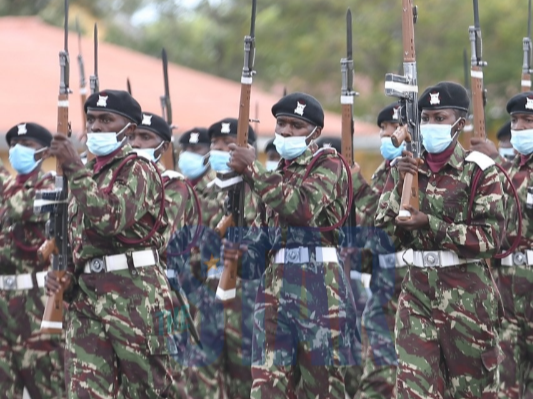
(492, 357)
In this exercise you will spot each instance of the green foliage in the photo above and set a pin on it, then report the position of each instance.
(300, 42)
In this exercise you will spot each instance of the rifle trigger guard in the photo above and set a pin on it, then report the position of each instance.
(415, 14)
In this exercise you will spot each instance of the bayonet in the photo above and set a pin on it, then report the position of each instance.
(526, 65)
(83, 83)
(128, 84)
(166, 107)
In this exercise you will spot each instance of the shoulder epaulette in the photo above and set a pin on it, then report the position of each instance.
(172, 174)
(480, 159)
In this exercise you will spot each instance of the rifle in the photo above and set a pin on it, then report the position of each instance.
(468, 125)
(406, 89)
(83, 83)
(128, 85)
(347, 129)
(476, 74)
(166, 111)
(94, 82)
(228, 281)
(526, 66)
(55, 202)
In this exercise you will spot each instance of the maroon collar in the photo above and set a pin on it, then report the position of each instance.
(437, 161)
(100, 162)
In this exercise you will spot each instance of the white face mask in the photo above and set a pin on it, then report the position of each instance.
(271, 165)
(104, 143)
(291, 147)
(436, 137)
(150, 152)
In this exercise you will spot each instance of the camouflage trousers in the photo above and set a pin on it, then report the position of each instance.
(222, 368)
(446, 333)
(304, 329)
(516, 334)
(27, 357)
(118, 336)
(352, 379)
(379, 320)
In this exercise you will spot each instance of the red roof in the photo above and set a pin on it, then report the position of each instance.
(30, 74)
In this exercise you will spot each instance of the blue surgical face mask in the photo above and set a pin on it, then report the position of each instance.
(102, 144)
(388, 150)
(436, 138)
(522, 141)
(507, 153)
(22, 159)
(291, 147)
(191, 164)
(219, 160)
(271, 165)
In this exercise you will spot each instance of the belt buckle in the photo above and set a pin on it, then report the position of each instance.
(97, 265)
(10, 282)
(519, 258)
(292, 255)
(389, 261)
(431, 259)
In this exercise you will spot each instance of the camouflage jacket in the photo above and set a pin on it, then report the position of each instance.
(444, 198)
(129, 209)
(520, 170)
(22, 231)
(295, 207)
(366, 196)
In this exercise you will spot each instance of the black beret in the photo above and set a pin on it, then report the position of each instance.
(157, 125)
(333, 142)
(521, 103)
(228, 126)
(505, 131)
(197, 135)
(117, 102)
(270, 146)
(391, 113)
(31, 131)
(445, 95)
(301, 106)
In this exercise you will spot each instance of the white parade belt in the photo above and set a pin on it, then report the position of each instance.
(114, 263)
(365, 278)
(302, 255)
(21, 281)
(524, 258)
(422, 259)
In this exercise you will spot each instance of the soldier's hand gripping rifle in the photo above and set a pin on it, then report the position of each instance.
(526, 66)
(347, 127)
(166, 112)
(228, 281)
(55, 202)
(406, 89)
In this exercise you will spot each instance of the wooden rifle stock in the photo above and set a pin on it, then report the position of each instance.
(53, 311)
(400, 135)
(225, 223)
(46, 250)
(478, 103)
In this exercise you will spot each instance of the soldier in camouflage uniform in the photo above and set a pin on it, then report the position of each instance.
(359, 283)
(305, 313)
(515, 272)
(119, 320)
(152, 138)
(380, 362)
(447, 319)
(222, 369)
(27, 357)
